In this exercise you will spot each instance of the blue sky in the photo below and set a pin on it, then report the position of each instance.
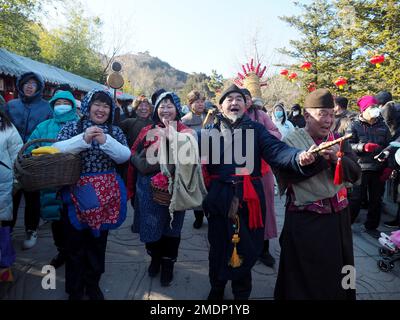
(198, 36)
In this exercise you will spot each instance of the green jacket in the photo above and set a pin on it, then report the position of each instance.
(50, 204)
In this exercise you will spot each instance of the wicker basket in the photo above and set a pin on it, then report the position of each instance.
(161, 196)
(46, 171)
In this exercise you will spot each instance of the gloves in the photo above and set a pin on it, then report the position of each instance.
(371, 147)
(387, 172)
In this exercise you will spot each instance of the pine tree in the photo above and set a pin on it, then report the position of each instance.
(340, 37)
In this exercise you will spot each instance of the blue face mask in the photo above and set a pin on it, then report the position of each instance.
(62, 109)
(279, 114)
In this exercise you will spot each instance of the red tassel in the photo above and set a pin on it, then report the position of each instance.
(338, 179)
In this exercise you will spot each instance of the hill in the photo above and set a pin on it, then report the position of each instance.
(147, 73)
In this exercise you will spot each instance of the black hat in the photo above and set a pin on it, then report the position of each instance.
(296, 107)
(342, 102)
(383, 97)
(233, 88)
(155, 95)
(246, 92)
(64, 87)
(319, 99)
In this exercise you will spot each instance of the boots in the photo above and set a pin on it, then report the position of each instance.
(167, 271)
(58, 260)
(216, 294)
(266, 258)
(154, 267)
(154, 251)
(199, 215)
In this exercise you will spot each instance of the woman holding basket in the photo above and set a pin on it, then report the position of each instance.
(97, 203)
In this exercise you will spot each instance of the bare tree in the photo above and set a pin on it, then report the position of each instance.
(119, 38)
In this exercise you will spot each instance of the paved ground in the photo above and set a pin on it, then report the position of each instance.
(126, 267)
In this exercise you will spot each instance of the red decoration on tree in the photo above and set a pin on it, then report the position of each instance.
(306, 66)
(292, 76)
(284, 72)
(312, 86)
(377, 60)
(340, 82)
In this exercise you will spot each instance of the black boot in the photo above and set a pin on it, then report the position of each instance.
(216, 294)
(58, 260)
(154, 267)
(266, 258)
(199, 219)
(167, 271)
(94, 293)
(154, 251)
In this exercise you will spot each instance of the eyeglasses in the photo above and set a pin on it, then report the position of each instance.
(32, 84)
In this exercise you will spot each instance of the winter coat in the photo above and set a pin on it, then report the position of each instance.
(10, 144)
(50, 204)
(343, 122)
(297, 121)
(391, 114)
(225, 185)
(132, 127)
(363, 132)
(27, 112)
(285, 128)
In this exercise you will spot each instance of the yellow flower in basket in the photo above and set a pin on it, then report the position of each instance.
(44, 150)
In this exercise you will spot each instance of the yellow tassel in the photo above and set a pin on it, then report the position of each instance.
(236, 260)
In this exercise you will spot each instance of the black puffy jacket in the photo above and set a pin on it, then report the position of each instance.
(363, 133)
(391, 113)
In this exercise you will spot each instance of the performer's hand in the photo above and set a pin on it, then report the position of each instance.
(330, 154)
(371, 147)
(306, 157)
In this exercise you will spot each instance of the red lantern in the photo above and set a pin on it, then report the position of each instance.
(377, 60)
(292, 76)
(284, 72)
(340, 82)
(306, 66)
(312, 86)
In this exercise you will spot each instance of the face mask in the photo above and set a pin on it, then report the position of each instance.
(374, 112)
(279, 114)
(296, 113)
(62, 109)
(129, 108)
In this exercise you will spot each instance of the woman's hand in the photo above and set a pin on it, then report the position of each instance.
(94, 133)
(100, 138)
(90, 133)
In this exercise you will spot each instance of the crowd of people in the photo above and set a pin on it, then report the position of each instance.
(325, 188)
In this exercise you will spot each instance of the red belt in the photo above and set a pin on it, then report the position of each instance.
(251, 197)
